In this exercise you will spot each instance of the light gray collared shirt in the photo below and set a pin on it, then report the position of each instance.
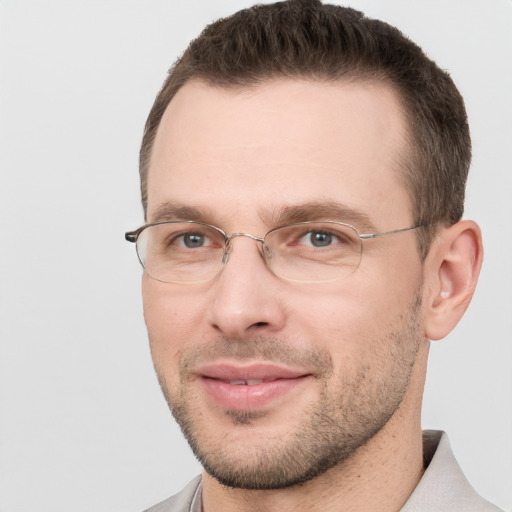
(443, 487)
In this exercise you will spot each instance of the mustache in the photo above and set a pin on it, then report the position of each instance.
(267, 349)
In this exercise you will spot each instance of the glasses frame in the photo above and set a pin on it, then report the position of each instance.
(132, 236)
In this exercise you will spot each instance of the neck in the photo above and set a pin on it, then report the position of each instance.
(379, 477)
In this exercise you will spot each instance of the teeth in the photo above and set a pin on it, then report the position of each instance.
(250, 382)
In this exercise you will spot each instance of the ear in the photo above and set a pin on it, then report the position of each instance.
(452, 268)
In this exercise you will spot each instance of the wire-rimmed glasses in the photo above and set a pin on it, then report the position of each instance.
(194, 252)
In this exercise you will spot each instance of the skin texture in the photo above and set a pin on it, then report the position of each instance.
(238, 157)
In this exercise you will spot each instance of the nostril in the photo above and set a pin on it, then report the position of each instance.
(260, 324)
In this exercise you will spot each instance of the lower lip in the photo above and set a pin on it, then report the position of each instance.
(249, 398)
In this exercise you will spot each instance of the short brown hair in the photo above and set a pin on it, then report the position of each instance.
(306, 39)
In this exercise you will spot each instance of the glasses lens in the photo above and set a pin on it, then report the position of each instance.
(313, 251)
(181, 252)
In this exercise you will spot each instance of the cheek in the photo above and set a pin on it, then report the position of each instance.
(355, 320)
(341, 323)
(173, 319)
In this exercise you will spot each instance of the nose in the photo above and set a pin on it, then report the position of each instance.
(247, 297)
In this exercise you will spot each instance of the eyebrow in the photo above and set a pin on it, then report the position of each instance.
(278, 216)
(319, 210)
(173, 211)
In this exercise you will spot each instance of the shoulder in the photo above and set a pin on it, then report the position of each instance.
(180, 502)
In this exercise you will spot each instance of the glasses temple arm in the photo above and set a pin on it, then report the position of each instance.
(366, 236)
(131, 236)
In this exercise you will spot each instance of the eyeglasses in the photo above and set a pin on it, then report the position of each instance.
(306, 252)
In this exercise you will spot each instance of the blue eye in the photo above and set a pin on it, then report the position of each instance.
(177, 237)
(320, 238)
(193, 240)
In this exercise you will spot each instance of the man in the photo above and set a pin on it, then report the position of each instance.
(302, 173)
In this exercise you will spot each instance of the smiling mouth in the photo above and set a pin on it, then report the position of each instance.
(248, 382)
(251, 392)
(248, 374)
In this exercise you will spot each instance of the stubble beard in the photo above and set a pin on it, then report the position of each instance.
(345, 417)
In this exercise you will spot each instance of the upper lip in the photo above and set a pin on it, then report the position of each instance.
(266, 372)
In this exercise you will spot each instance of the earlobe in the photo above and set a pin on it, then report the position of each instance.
(453, 266)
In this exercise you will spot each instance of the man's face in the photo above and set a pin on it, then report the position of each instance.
(274, 382)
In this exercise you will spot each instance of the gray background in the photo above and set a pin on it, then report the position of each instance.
(82, 424)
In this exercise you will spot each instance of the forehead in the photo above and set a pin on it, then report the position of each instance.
(238, 151)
